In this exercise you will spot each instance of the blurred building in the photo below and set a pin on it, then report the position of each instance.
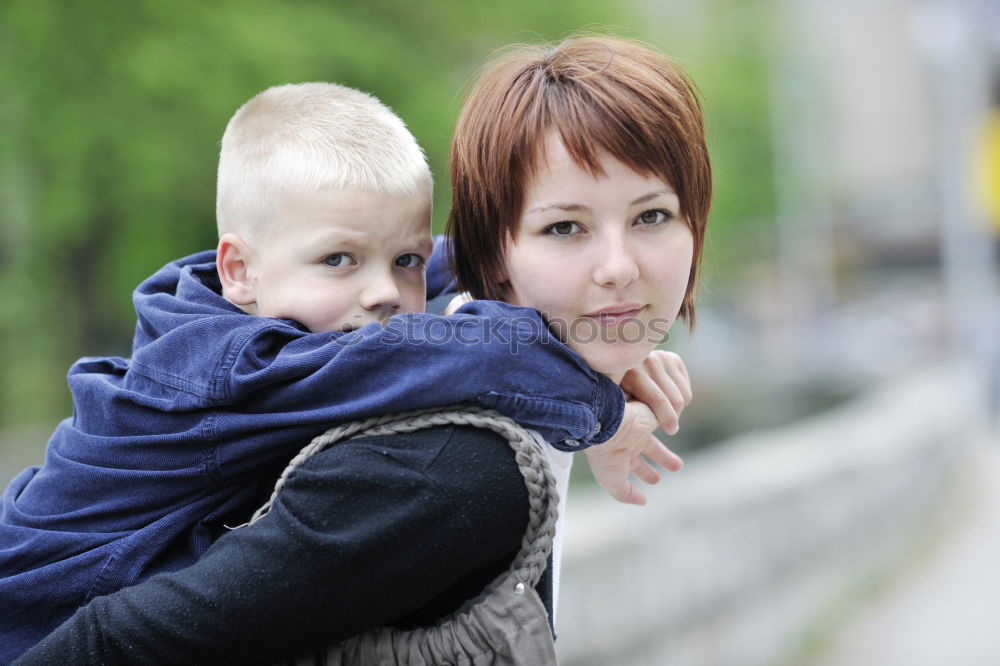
(881, 256)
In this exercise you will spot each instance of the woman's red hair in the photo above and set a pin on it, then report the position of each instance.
(598, 93)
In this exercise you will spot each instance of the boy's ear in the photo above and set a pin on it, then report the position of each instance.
(232, 260)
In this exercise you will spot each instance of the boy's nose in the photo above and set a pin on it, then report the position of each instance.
(381, 296)
(616, 264)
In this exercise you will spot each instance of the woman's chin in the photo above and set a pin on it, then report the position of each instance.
(613, 360)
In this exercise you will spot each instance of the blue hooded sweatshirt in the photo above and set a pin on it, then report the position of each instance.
(167, 448)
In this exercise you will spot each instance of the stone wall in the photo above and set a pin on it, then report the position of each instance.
(735, 559)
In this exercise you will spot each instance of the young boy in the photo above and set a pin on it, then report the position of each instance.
(323, 213)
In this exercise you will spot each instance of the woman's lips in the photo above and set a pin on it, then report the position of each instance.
(615, 315)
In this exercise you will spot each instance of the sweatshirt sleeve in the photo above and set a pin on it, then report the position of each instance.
(364, 534)
(440, 280)
(494, 354)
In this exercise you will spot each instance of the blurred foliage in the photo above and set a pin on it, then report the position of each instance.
(112, 113)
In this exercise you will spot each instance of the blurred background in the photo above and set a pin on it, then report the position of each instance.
(852, 250)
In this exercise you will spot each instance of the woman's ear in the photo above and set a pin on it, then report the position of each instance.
(501, 274)
(232, 260)
(502, 277)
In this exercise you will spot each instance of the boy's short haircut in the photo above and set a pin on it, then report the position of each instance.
(297, 138)
(599, 93)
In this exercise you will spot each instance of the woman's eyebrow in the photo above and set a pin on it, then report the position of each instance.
(652, 195)
(576, 207)
(568, 207)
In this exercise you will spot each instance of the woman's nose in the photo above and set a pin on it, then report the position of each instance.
(616, 264)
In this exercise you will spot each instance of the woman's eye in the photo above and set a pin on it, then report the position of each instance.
(338, 260)
(410, 261)
(651, 217)
(562, 229)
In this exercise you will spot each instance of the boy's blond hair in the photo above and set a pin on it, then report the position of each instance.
(297, 138)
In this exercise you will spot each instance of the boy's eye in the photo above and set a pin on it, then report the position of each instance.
(338, 260)
(410, 261)
(561, 229)
(651, 217)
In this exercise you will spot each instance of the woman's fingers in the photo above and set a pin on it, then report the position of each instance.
(668, 371)
(661, 382)
(675, 366)
(645, 389)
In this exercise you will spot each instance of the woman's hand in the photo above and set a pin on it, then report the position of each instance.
(662, 383)
(661, 389)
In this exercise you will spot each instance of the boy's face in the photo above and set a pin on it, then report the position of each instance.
(335, 260)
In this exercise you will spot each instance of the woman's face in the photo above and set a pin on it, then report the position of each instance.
(605, 259)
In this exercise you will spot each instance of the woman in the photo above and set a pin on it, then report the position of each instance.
(581, 188)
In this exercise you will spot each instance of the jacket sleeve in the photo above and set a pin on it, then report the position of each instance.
(440, 279)
(365, 533)
(490, 353)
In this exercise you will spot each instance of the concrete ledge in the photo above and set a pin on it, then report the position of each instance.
(737, 555)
